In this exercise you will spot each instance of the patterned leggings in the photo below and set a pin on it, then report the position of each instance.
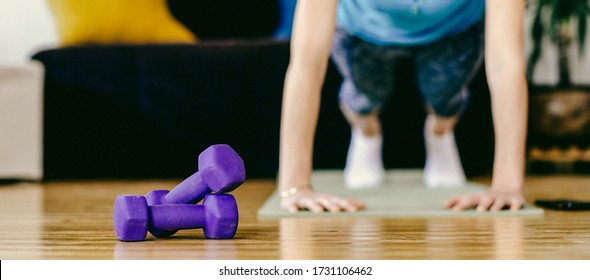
(443, 70)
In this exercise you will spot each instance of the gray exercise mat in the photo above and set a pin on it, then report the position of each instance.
(401, 195)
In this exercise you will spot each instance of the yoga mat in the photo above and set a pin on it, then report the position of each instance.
(402, 194)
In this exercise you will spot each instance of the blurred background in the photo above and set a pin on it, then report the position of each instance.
(137, 88)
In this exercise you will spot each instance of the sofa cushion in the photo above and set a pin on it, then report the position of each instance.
(116, 21)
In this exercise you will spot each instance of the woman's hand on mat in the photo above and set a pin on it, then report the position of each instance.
(319, 202)
(492, 200)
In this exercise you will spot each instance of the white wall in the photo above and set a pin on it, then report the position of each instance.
(26, 26)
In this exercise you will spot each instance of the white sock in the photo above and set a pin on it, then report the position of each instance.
(364, 165)
(443, 165)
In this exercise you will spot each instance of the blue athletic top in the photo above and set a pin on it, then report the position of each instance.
(408, 22)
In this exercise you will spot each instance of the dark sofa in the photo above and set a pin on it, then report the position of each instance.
(147, 111)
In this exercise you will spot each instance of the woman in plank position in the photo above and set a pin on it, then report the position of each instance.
(445, 41)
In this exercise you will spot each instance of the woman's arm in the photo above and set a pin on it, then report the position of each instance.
(505, 69)
(310, 50)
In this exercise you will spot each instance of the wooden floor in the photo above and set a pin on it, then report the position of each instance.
(72, 220)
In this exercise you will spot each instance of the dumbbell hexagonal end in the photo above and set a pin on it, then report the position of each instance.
(221, 168)
(130, 217)
(221, 214)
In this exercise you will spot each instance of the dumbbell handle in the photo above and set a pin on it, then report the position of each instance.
(217, 216)
(189, 191)
(177, 216)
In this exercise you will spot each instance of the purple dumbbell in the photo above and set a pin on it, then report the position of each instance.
(221, 170)
(218, 217)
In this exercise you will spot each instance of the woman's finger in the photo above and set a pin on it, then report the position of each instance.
(498, 204)
(464, 203)
(485, 201)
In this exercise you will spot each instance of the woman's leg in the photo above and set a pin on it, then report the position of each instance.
(369, 125)
(443, 164)
(444, 71)
(364, 163)
(368, 80)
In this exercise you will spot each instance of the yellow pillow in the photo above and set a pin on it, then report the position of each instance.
(117, 21)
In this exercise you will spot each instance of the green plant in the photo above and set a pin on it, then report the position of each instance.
(554, 18)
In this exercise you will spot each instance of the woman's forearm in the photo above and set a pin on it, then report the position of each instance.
(310, 50)
(301, 101)
(509, 107)
(506, 77)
